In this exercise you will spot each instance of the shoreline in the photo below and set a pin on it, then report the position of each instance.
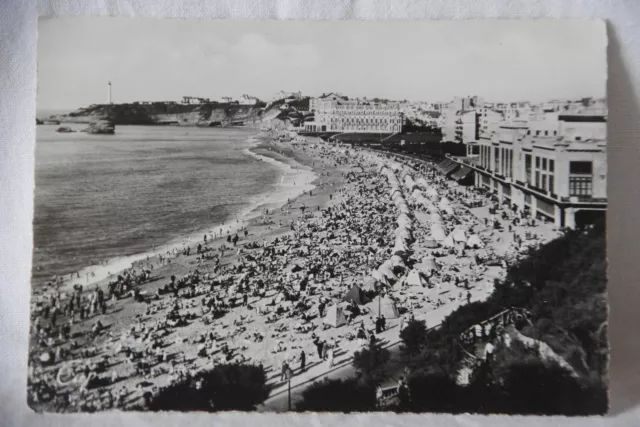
(96, 274)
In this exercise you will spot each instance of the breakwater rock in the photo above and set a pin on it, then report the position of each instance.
(102, 127)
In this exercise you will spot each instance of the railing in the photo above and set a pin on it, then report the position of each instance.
(584, 199)
(505, 317)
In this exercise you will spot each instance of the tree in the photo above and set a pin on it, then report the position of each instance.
(371, 363)
(414, 337)
(348, 395)
(433, 392)
(224, 388)
(536, 388)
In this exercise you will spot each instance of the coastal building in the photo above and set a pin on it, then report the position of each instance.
(466, 130)
(555, 167)
(460, 119)
(337, 113)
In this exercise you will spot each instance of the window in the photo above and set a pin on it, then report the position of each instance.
(537, 162)
(527, 167)
(496, 162)
(580, 186)
(544, 182)
(537, 133)
(551, 165)
(580, 168)
(537, 179)
(544, 164)
(578, 138)
(546, 133)
(551, 188)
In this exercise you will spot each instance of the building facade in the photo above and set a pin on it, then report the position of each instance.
(555, 168)
(334, 113)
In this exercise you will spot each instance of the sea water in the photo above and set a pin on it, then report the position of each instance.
(103, 201)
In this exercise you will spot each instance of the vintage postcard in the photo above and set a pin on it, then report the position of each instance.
(320, 216)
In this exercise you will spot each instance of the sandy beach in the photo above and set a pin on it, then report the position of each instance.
(346, 235)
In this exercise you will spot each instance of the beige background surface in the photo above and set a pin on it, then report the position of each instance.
(18, 21)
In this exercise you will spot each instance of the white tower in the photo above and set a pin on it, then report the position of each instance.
(109, 93)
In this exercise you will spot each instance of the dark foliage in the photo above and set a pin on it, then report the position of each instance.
(371, 363)
(224, 388)
(348, 395)
(562, 285)
(529, 388)
(414, 337)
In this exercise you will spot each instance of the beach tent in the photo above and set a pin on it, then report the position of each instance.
(436, 218)
(386, 305)
(437, 232)
(429, 263)
(459, 235)
(335, 316)
(404, 221)
(409, 183)
(448, 242)
(414, 278)
(474, 241)
(356, 295)
(387, 271)
(422, 217)
(398, 262)
(400, 248)
(430, 243)
(369, 284)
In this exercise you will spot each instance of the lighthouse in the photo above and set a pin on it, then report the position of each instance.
(109, 93)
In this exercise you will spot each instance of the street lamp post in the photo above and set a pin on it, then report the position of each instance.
(289, 392)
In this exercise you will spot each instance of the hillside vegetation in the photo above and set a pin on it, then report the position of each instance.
(562, 286)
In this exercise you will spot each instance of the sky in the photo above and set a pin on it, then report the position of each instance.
(163, 60)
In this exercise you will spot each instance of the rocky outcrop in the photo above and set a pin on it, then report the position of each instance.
(178, 114)
(101, 127)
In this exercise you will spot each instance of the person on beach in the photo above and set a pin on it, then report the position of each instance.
(303, 359)
(330, 358)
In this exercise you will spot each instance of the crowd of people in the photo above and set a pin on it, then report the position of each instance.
(394, 241)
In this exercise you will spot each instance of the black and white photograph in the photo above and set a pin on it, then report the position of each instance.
(320, 216)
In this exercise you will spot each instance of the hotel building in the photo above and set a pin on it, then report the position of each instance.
(335, 113)
(554, 166)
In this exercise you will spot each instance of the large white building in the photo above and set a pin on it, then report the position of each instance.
(336, 113)
(554, 165)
